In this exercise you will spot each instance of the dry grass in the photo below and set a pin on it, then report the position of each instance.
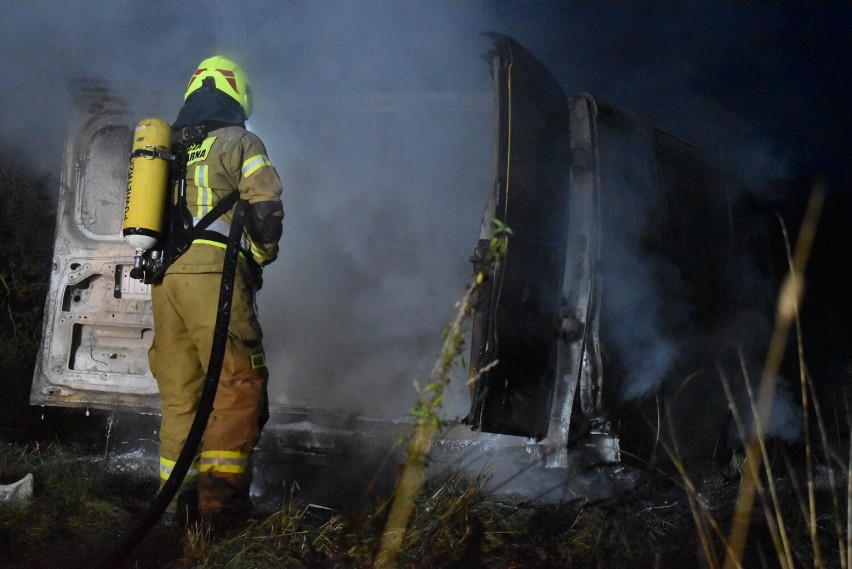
(80, 508)
(77, 508)
(456, 524)
(799, 524)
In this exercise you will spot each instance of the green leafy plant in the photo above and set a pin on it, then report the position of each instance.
(427, 410)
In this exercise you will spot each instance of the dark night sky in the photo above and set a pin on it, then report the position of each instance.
(780, 70)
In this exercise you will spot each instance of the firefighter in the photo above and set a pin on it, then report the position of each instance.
(185, 302)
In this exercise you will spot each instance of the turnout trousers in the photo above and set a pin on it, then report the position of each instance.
(185, 307)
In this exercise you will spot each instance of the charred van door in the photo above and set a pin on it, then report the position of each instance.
(98, 323)
(518, 318)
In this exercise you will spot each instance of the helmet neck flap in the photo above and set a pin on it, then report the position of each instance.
(210, 106)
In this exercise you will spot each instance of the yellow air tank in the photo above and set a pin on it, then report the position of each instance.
(147, 182)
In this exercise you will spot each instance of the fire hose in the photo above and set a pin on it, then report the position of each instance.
(205, 403)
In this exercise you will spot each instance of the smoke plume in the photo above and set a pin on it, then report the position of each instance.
(377, 116)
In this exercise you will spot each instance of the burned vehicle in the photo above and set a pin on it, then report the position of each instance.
(619, 284)
(616, 226)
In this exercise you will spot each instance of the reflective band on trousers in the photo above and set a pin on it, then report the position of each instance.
(166, 467)
(230, 461)
(255, 163)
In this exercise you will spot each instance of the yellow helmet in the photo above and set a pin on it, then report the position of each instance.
(229, 78)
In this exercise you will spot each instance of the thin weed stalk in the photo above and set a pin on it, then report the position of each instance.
(427, 414)
(758, 482)
(833, 483)
(788, 301)
(797, 488)
(701, 515)
(197, 543)
(809, 463)
(849, 493)
(697, 511)
(849, 506)
(776, 524)
(418, 448)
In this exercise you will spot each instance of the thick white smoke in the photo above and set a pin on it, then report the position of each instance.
(378, 117)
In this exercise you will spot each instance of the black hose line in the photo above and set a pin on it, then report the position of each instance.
(205, 403)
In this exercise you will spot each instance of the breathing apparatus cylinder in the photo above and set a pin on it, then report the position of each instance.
(147, 184)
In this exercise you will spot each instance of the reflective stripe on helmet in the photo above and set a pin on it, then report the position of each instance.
(197, 73)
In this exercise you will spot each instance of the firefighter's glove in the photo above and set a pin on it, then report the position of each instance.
(264, 224)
